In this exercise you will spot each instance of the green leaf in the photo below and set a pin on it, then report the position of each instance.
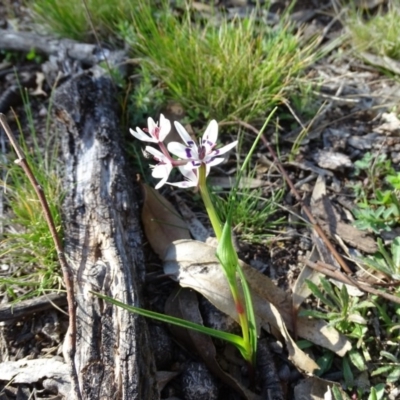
(394, 180)
(250, 314)
(357, 359)
(347, 373)
(378, 263)
(325, 363)
(313, 314)
(337, 393)
(344, 297)
(226, 253)
(386, 255)
(394, 375)
(329, 290)
(357, 318)
(396, 253)
(382, 370)
(304, 344)
(364, 304)
(379, 390)
(391, 357)
(373, 395)
(319, 295)
(228, 337)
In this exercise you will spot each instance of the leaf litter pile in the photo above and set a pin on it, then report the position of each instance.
(323, 268)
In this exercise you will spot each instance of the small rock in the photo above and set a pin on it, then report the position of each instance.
(395, 156)
(305, 243)
(198, 383)
(391, 123)
(332, 160)
(363, 142)
(4, 267)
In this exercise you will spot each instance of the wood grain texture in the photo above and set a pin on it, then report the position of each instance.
(103, 243)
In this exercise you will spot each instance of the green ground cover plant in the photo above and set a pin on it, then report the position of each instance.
(378, 206)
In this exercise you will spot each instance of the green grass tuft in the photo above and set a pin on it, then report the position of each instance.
(379, 34)
(69, 18)
(26, 246)
(218, 69)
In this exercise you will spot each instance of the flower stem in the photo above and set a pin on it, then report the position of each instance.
(230, 274)
(205, 195)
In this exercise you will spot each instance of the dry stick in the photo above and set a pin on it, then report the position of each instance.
(61, 257)
(331, 271)
(313, 221)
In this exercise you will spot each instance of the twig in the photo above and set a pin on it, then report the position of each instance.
(296, 194)
(21, 160)
(30, 306)
(329, 270)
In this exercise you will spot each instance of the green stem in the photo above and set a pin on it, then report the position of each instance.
(217, 226)
(205, 195)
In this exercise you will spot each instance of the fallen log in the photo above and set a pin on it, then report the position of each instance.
(103, 244)
(86, 53)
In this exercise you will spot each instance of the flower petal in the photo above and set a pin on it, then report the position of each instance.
(161, 171)
(157, 154)
(182, 151)
(139, 134)
(224, 149)
(192, 179)
(189, 173)
(165, 128)
(215, 161)
(210, 136)
(151, 126)
(183, 133)
(183, 184)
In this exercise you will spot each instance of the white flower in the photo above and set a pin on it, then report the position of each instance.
(191, 175)
(162, 169)
(205, 152)
(156, 134)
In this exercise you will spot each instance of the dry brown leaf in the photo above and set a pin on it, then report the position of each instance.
(195, 265)
(300, 289)
(300, 359)
(162, 223)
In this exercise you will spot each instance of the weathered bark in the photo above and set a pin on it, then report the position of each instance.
(103, 244)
